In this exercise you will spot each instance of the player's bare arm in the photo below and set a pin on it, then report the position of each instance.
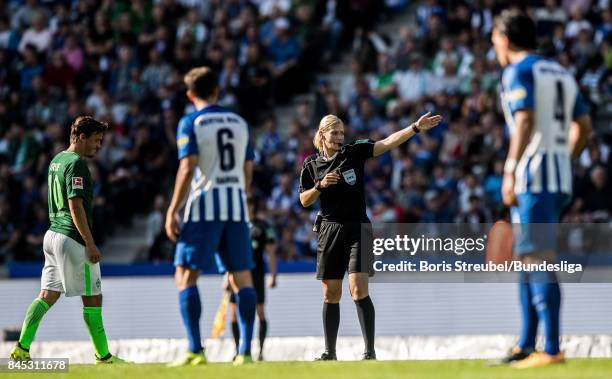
(79, 217)
(580, 131)
(524, 122)
(248, 176)
(424, 123)
(181, 188)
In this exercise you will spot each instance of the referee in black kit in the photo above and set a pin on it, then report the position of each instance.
(335, 175)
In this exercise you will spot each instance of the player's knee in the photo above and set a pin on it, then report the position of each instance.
(185, 277)
(92, 301)
(178, 278)
(192, 279)
(358, 292)
(332, 295)
(261, 314)
(49, 297)
(241, 279)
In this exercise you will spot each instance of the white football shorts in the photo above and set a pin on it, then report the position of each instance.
(67, 268)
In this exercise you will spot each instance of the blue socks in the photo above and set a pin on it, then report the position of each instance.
(246, 301)
(546, 298)
(529, 316)
(540, 297)
(191, 309)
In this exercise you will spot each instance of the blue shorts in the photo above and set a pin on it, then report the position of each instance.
(538, 215)
(202, 245)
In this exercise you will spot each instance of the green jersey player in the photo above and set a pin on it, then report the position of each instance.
(71, 256)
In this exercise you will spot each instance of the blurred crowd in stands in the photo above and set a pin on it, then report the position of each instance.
(123, 61)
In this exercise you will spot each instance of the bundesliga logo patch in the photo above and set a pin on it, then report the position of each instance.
(77, 183)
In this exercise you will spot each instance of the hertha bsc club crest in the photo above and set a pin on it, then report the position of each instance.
(350, 177)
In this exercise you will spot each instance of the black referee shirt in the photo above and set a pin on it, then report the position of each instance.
(345, 200)
(261, 235)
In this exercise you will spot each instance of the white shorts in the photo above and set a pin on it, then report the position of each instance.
(67, 268)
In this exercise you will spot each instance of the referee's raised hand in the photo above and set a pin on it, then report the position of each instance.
(426, 122)
(330, 179)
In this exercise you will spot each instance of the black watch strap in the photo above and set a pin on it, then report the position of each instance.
(415, 128)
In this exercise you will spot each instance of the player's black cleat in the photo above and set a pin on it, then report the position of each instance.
(327, 356)
(514, 354)
(260, 357)
(369, 356)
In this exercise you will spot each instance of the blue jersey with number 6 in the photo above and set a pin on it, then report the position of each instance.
(551, 92)
(220, 139)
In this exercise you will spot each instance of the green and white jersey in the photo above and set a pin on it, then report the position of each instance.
(69, 177)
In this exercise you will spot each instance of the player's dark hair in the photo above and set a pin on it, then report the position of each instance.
(518, 27)
(86, 125)
(202, 82)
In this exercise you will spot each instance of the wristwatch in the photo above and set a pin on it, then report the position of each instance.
(415, 128)
(318, 185)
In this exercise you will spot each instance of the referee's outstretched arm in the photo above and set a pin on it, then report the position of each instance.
(425, 122)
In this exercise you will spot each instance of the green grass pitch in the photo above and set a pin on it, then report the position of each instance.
(467, 369)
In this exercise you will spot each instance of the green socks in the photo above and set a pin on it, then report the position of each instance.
(35, 313)
(93, 319)
(91, 315)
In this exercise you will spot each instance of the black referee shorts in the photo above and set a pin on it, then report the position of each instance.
(259, 283)
(339, 250)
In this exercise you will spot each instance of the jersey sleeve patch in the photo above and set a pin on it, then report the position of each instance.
(186, 141)
(77, 182)
(75, 179)
(270, 236)
(182, 141)
(517, 94)
(518, 87)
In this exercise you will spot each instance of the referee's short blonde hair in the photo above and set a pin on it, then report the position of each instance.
(327, 123)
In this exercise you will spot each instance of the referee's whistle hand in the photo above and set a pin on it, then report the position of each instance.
(330, 179)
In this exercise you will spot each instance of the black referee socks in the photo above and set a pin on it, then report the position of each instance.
(365, 312)
(263, 331)
(331, 323)
(236, 334)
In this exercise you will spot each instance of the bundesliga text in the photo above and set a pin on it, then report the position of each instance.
(461, 266)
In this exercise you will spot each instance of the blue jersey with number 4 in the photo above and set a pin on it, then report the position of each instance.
(220, 139)
(551, 92)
